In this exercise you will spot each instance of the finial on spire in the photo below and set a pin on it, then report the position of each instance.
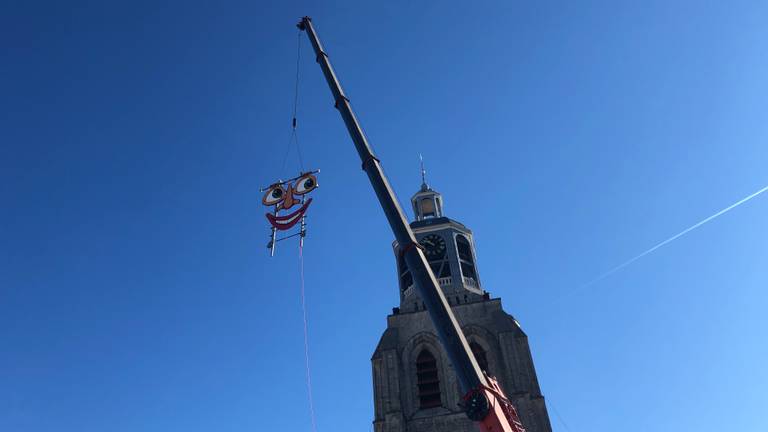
(424, 184)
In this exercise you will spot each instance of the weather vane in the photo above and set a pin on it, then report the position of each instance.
(423, 171)
(282, 196)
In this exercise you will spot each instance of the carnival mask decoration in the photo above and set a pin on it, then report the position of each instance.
(285, 196)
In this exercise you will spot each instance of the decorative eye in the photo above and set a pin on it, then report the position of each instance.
(274, 195)
(306, 184)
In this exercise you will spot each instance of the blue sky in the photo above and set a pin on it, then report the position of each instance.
(135, 290)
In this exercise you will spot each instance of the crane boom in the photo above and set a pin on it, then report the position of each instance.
(484, 400)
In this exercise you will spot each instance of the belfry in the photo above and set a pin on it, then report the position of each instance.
(414, 386)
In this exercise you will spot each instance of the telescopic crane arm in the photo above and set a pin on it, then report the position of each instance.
(484, 400)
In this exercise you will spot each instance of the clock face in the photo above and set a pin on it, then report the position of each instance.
(434, 246)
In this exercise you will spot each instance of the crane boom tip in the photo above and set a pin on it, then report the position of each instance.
(302, 24)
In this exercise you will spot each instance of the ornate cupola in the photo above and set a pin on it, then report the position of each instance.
(427, 203)
(449, 248)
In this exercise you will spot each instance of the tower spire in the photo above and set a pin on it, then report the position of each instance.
(424, 185)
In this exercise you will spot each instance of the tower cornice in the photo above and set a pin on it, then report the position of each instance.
(438, 223)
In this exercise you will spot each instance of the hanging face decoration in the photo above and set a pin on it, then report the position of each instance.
(287, 195)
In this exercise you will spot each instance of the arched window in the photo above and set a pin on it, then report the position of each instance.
(479, 353)
(466, 262)
(465, 250)
(427, 380)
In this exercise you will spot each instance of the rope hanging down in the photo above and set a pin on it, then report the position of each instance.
(306, 338)
(295, 138)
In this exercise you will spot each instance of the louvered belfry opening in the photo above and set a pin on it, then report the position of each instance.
(428, 381)
(466, 261)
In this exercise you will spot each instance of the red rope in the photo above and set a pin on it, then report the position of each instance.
(306, 338)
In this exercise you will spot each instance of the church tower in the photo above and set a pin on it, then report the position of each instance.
(414, 386)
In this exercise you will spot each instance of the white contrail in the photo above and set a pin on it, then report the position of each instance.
(674, 237)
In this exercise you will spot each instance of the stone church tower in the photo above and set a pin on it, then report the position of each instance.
(414, 386)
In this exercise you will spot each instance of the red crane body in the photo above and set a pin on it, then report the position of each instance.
(483, 401)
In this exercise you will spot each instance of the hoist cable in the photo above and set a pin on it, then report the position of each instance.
(296, 85)
(294, 138)
(306, 339)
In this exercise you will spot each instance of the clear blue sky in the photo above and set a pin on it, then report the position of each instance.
(135, 289)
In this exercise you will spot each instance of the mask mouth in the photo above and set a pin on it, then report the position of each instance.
(287, 221)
